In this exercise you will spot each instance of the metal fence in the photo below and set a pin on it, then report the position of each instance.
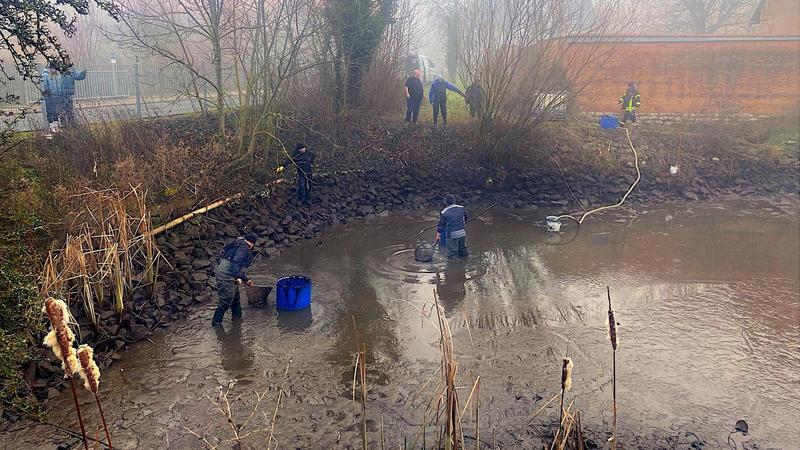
(129, 84)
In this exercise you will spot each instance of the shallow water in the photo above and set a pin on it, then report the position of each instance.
(707, 297)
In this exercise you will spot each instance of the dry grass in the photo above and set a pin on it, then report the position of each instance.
(113, 247)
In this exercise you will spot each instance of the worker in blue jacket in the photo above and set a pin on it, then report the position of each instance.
(53, 97)
(452, 225)
(437, 95)
(236, 256)
(67, 80)
(58, 90)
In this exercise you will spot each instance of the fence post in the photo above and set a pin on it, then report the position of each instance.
(44, 106)
(138, 88)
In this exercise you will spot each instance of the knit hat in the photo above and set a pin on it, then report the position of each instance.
(251, 237)
(450, 199)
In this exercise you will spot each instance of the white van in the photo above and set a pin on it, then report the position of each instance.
(424, 64)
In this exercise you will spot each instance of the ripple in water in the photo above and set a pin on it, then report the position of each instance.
(396, 262)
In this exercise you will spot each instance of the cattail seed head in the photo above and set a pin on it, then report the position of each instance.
(612, 330)
(60, 338)
(566, 375)
(90, 373)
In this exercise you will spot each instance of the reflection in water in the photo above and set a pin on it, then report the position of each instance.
(235, 356)
(295, 321)
(450, 286)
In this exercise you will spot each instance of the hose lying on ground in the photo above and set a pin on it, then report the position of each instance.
(624, 197)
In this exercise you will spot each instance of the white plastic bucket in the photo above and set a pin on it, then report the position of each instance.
(553, 224)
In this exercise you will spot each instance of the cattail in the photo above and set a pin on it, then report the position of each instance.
(91, 373)
(566, 375)
(60, 337)
(612, 328)
(612, 323)
(91, 381)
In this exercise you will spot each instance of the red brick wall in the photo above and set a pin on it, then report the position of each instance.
(705, 78)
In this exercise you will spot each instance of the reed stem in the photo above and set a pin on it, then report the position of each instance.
(78, 410)
(612, 333)
(103, 419)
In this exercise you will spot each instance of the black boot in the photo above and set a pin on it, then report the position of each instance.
(236, 310)
(218, 315)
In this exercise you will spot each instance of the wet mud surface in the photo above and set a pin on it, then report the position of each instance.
(706, 296)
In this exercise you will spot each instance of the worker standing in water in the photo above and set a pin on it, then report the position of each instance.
(236, 256)
(303, 160)
(630, 100)
(452, 225)
(437, 95)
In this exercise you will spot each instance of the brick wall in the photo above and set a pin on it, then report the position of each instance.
(713, 78)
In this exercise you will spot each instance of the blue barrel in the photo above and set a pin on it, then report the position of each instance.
(609, 122)
(293, 293)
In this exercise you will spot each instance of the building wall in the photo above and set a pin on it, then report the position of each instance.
(780, 18)
(715, 78)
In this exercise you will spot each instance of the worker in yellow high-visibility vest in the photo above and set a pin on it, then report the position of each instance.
(630, 101)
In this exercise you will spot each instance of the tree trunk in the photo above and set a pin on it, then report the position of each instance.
(220, 88)
(355, 73)
(339, 101)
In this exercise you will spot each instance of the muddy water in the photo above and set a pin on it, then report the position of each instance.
(706, 296)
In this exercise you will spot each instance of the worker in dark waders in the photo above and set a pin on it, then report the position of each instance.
(437, 95)
(303, 160)
(630, 101)
(452, 223)
(236, 256)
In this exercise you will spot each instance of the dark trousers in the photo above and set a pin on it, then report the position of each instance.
(457, 248)
(68, 116)
(412, 109)
(474, 108)
(53, 107)
(303, 188)
(629, 115)
(228, 292)
(439, 105)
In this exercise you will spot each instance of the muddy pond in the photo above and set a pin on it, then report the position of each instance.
(706, 296)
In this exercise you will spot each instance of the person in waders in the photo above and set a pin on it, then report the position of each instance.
(303, 160)
(236, 256)
(452, 223)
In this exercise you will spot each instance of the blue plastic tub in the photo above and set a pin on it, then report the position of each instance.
(609, 122)
(293, 293)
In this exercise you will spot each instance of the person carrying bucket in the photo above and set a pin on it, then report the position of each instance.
(452, 223)
(236, 256)
(303, 160)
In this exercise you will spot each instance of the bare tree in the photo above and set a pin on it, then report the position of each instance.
(188, 33)
(706, 16)
(530, 57)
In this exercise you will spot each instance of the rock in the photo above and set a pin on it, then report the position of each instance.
(138, 332)
(200, 277)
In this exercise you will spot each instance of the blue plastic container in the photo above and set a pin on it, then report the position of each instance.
(293, 293)
(609, 122)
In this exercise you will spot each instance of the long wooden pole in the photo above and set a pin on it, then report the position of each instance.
(197, 212)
